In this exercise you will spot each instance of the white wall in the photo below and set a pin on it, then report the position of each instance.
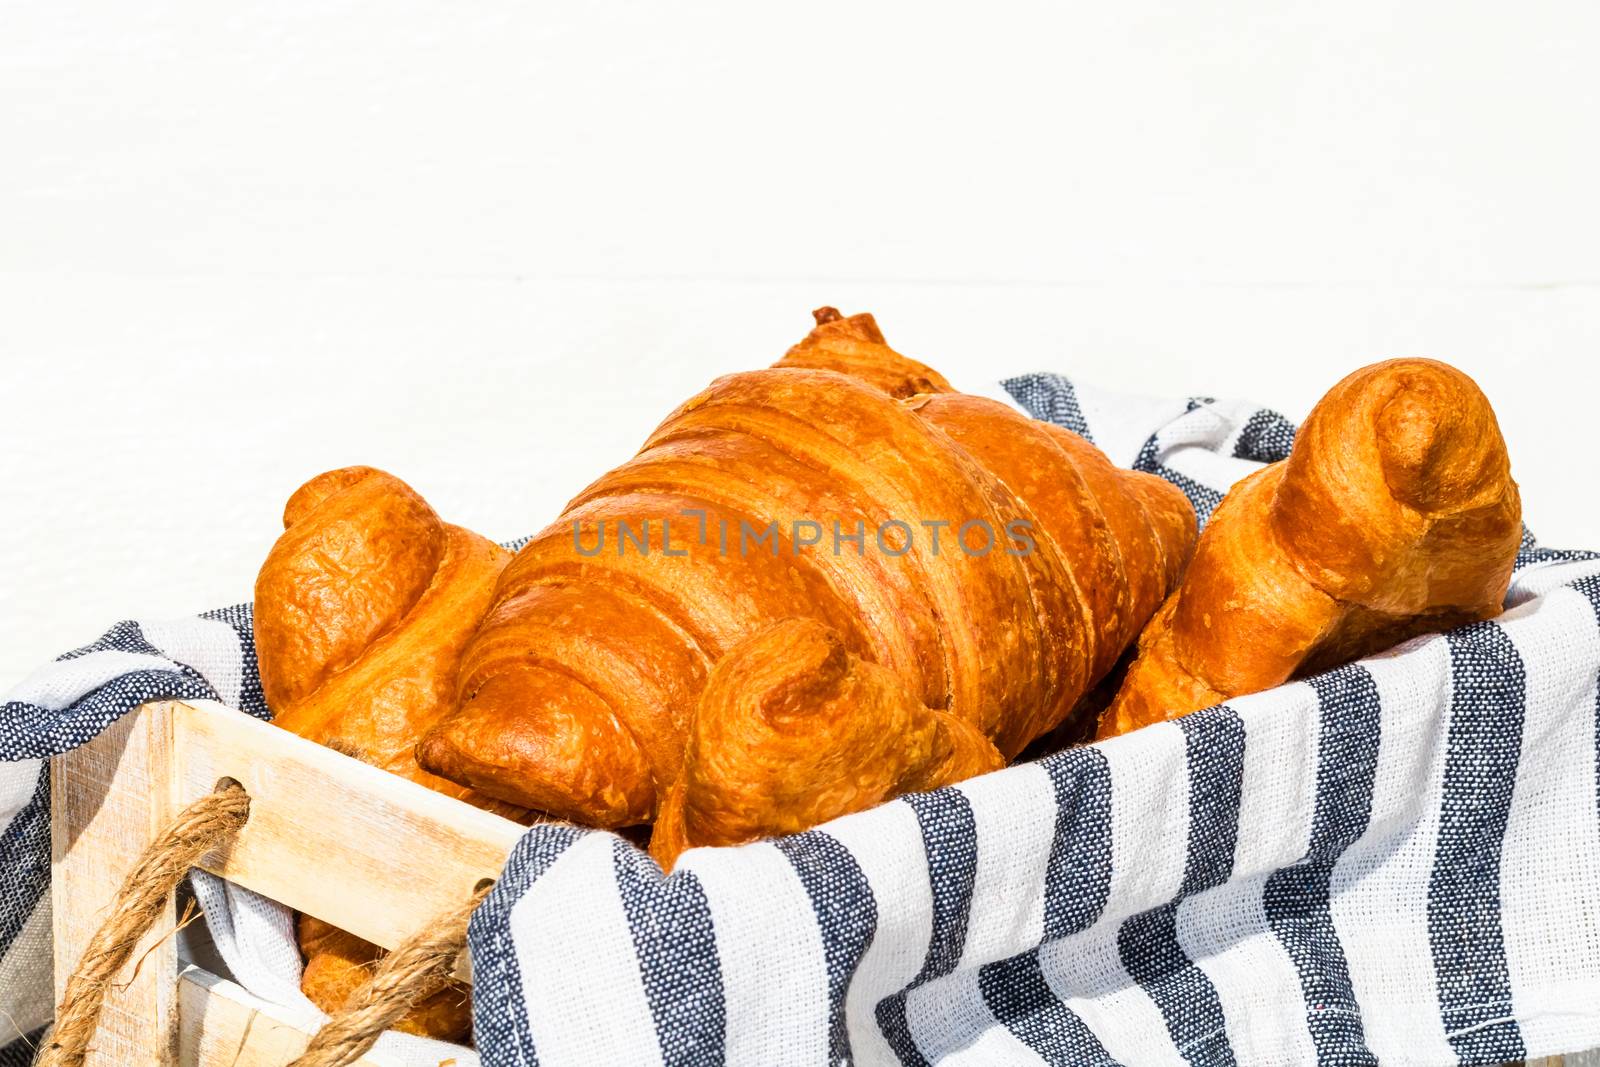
(488, 245)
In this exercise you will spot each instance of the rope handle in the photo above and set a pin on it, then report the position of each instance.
(416, 969)
(211, 821)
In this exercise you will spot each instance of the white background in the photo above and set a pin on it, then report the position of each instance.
(487, 246)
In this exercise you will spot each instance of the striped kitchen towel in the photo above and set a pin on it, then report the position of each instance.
(1396, 862)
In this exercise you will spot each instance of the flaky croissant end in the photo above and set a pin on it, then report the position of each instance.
(793, 729)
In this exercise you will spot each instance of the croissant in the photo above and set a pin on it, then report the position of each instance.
(362, 610)
(963, 574)
(1395, 515)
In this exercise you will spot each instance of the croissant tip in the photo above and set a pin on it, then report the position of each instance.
(825, 315)
(306, 498)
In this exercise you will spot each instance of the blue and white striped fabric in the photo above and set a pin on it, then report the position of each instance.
(1395, 862)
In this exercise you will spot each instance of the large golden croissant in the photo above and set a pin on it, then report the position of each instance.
(362, 610)
(813, 490)
(1394, 515)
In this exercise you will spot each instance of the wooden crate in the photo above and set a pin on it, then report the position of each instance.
(359, 847)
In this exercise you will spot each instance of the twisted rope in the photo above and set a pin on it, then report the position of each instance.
(210, 822)
(419, 967)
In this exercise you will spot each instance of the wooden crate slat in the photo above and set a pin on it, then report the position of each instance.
(356, 846)
(221, 1028)
(108, 800)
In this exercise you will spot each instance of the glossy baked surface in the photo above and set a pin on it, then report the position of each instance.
(579, 693)
(1394, 515)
